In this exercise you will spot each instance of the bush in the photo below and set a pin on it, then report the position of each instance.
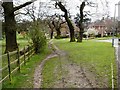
(38, 38)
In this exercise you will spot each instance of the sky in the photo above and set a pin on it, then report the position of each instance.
(112, 7)
(71, 5)
(100, 11)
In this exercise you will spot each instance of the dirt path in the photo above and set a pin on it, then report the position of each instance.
(38, 71)
(72, 75)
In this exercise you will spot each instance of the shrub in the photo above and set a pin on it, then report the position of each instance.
(38, 37)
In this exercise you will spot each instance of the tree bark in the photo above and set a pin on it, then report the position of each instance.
(81, 27)
(51, 34)
(10, 33)
(71, 28)
(52, 29)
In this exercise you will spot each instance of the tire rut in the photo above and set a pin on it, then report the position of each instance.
(72, 75)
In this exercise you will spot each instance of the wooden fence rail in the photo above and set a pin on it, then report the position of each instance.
(24, 54)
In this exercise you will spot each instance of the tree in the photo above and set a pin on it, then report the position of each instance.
(49, 20)
(92, 32)
(57, 22)
(71, 28)
(81, 26)
(10, 23)
(82, 20)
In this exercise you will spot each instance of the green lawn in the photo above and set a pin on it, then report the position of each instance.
(94, 56)
(103, 38)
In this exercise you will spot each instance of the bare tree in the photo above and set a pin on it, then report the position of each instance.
(71, 28)
(57, 22)
(49, 21)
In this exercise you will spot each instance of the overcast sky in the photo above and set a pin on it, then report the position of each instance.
(100, 11)
(72, 6)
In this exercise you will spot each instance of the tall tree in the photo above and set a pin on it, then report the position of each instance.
(81, 26)
(10, 23)
(71, 28)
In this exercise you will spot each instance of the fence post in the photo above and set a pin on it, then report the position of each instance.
(9, 69)
(28, 52)
(18, 62)
(24, 57)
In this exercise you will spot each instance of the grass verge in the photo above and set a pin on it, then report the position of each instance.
(25, 78)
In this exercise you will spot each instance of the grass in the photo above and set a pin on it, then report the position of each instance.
(48, 71)
(25, 78)
(95, 56)
(103, 38)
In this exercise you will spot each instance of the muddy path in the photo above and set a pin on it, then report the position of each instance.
(38, 71)
(73, 75)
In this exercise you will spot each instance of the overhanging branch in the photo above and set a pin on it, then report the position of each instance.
(23, 5)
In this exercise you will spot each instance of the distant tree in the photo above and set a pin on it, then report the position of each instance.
(57, 22)
(92, 32)
(48, 21)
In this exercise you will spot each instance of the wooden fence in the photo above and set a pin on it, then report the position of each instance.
(12, 62)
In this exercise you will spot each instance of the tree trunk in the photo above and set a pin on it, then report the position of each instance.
(71, 28)
(80, 37)
(81, 27)
(57, 28)
(51, 34)
(58, 32)
(10, 27)
(51, 31)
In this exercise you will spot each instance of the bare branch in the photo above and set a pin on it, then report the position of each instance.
(61, 7)
(23, 5)
(20, 13)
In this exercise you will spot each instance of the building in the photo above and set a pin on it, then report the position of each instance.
(104, 26)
